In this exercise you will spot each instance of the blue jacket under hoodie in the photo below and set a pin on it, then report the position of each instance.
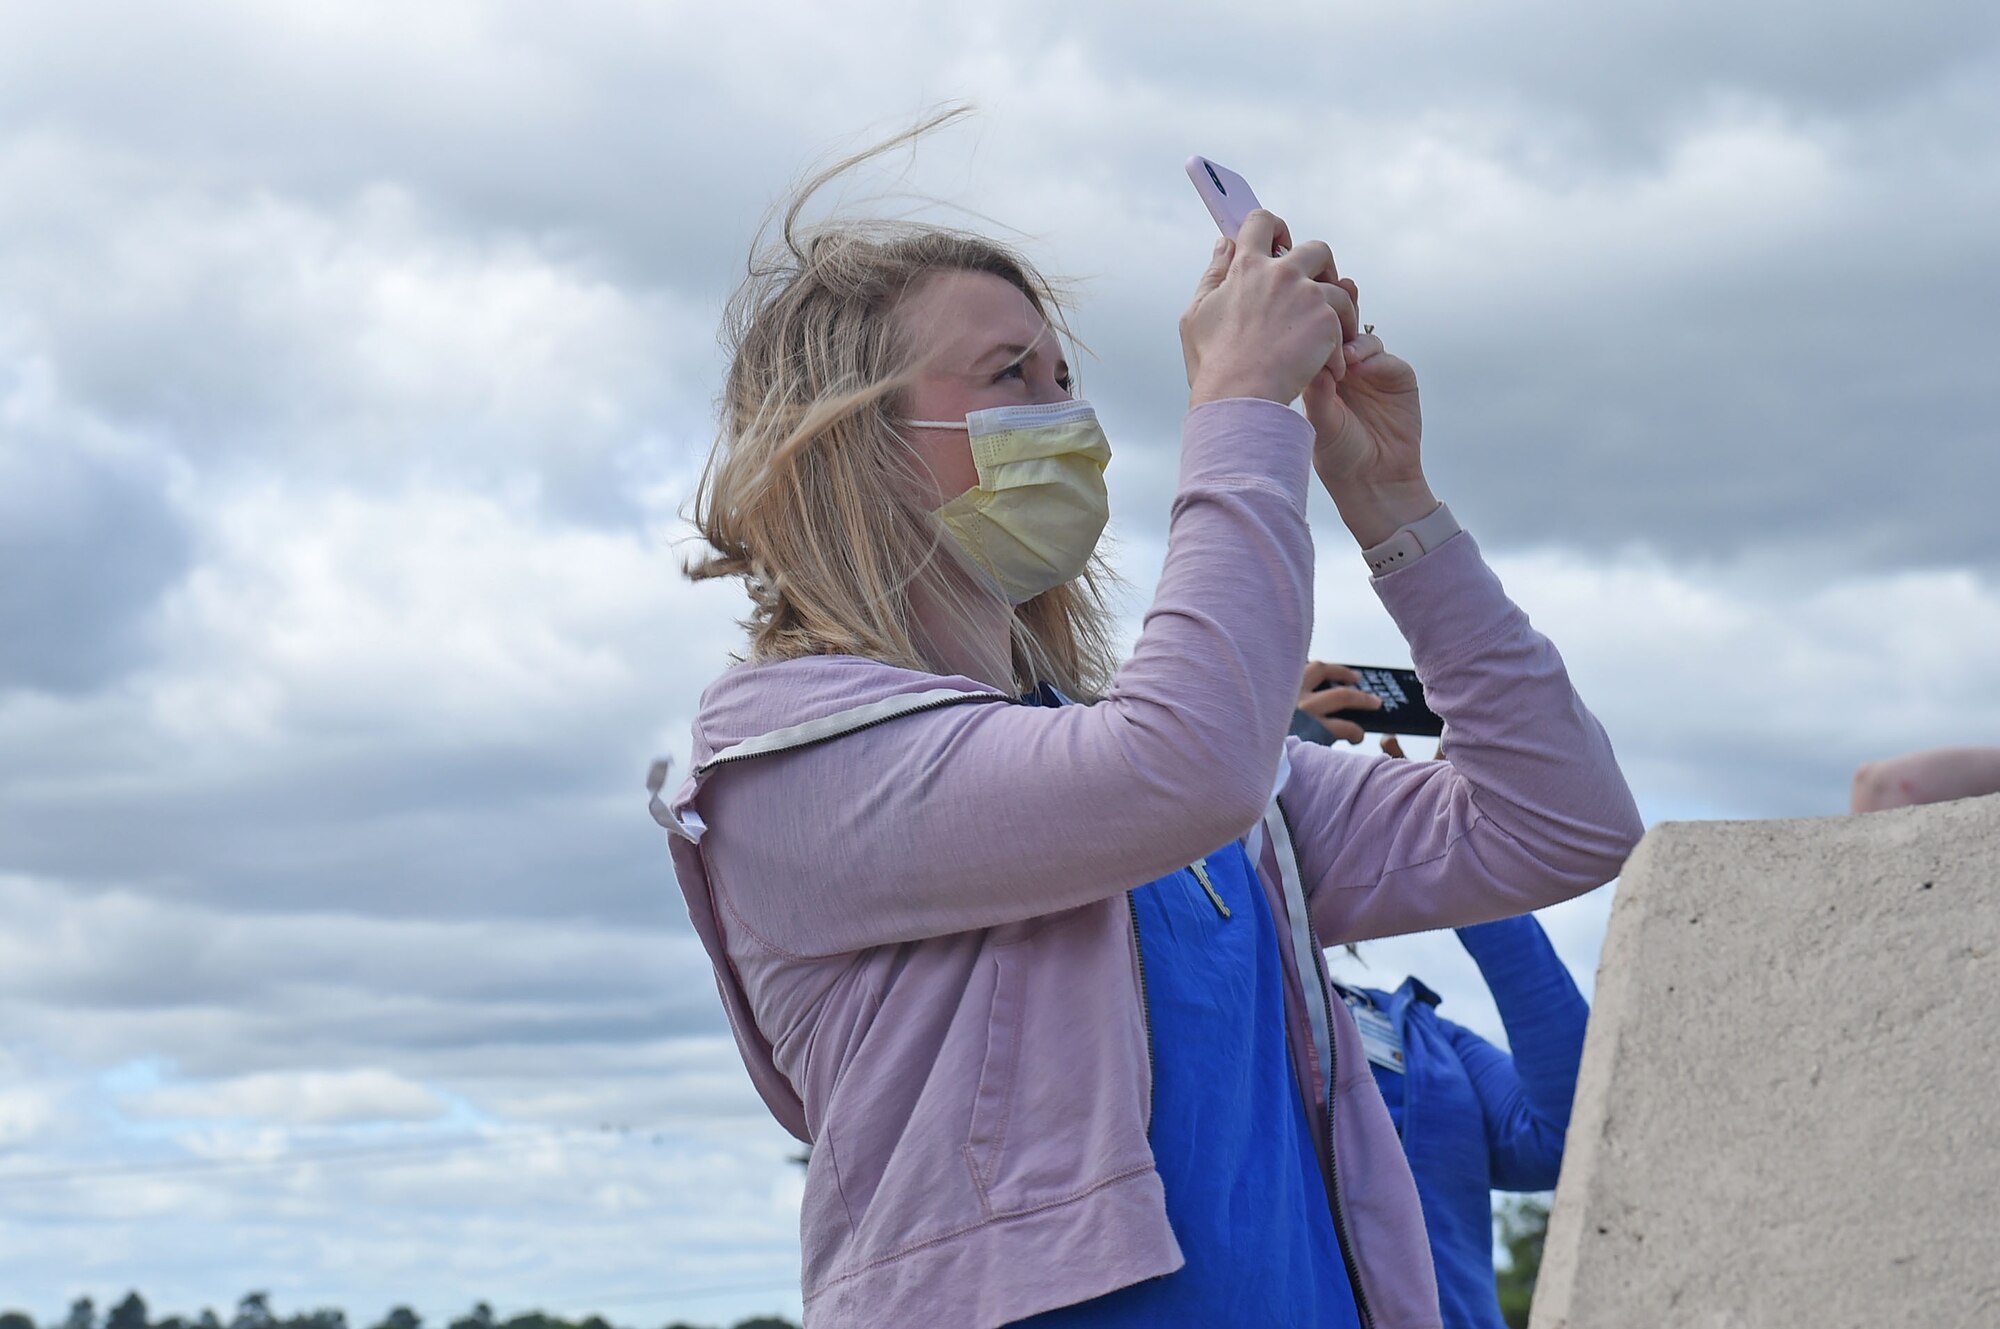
(1475, 1119)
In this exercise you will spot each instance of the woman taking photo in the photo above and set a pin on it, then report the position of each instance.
(1019, 937)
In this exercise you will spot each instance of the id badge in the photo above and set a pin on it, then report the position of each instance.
(1380, 1038)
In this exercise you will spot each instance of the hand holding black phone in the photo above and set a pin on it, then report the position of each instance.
(1403, 709)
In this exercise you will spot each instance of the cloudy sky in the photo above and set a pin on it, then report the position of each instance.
(356, 358)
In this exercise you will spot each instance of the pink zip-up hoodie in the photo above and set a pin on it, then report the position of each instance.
(920, 929)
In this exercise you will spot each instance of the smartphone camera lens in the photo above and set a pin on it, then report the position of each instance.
(1210, 168)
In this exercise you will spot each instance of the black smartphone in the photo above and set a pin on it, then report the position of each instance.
(1404, 710)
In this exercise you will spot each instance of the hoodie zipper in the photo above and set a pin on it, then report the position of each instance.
(1145, 1010)
(1200, 869)
(1332, 1166)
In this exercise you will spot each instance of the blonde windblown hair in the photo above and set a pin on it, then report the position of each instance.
(812, 496)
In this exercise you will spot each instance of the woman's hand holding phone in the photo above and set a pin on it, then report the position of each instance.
(1362, 401)
(1264, 325)
(1368, 431)
(1328, 689)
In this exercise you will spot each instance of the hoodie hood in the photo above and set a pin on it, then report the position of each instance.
(759, 709)
(757, 698)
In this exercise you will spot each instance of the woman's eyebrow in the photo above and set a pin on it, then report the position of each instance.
(1015, 352)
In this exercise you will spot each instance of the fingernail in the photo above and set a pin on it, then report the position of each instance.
(1221, 244)
(1351, 353)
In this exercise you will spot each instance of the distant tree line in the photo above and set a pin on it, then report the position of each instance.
(1522, 1225)
(254, 1312)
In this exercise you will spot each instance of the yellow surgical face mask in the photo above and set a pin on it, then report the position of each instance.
(1033, 520)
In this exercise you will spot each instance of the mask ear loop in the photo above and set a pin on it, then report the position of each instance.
(1027, 414)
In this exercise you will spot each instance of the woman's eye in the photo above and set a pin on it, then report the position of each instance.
(1019, 372)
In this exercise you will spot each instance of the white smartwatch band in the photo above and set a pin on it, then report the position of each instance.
(1413, 541)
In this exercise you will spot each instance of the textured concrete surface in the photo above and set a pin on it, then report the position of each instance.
(1789, 1111)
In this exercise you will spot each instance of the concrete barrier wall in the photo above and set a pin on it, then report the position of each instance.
(1789, 1108)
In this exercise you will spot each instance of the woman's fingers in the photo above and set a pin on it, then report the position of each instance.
(1345, 730)
(1358, 341)
(1315, 259)
(1210, 282)
(1266, 329)
(1326, 689)
(1328, 701)
(1319, 672)
(1364, 346)
(1217, 269)
(1354, 294)
(1261, 233)
(1341, 301)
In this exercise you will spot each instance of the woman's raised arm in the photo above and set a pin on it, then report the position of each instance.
(1530, 808)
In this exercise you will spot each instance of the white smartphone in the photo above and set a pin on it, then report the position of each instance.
(1227, 194)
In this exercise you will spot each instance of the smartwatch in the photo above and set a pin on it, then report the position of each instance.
(1412, 542)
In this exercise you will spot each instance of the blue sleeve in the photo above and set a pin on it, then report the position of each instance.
(1524, 1098)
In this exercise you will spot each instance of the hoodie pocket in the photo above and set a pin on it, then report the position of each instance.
(1059, 1101)
(993, 1099)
